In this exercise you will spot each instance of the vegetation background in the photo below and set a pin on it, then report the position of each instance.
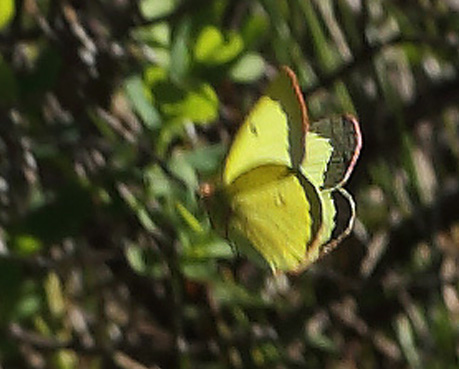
(113, 112)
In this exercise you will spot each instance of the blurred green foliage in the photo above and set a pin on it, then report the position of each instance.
(113, 113)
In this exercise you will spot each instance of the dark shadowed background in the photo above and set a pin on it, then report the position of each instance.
(113, 112)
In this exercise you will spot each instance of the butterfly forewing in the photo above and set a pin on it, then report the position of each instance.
(273, 131)
(343, 133)
(286, 91)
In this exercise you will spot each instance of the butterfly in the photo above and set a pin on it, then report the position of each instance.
(277, 199)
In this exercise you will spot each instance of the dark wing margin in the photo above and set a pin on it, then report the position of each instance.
(288, 92)
(314, 201)
(345, 221)
(346, 138)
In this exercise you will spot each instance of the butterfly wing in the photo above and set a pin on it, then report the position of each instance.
(277, 212)
(344, 223)
(343, 134)
(318, 154)
(332, 148)
(280, 183)
(273, 132)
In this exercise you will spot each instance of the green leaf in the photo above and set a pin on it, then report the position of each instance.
(141, 211)
(155, 34)
(255, 30)
(180, 58)
(248, 69)
(324, 49)
(54, 295)
(213, 48)
(281, 38)
(154, 75)
(151, 9)
(206, 159)
(156, 182)
(6, 15)
(209, 246)
(233, 294)
(136, 92)
(27, 245)
(199, 105)
(444, 334)
(29, 304)
(349, 25)
(183, 170)
(407, 341)
(189, 218)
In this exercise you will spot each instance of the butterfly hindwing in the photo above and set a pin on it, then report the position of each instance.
(344, 218)
(277, 210)
(332, 147)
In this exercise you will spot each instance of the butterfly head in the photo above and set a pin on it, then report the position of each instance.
(216, 202)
